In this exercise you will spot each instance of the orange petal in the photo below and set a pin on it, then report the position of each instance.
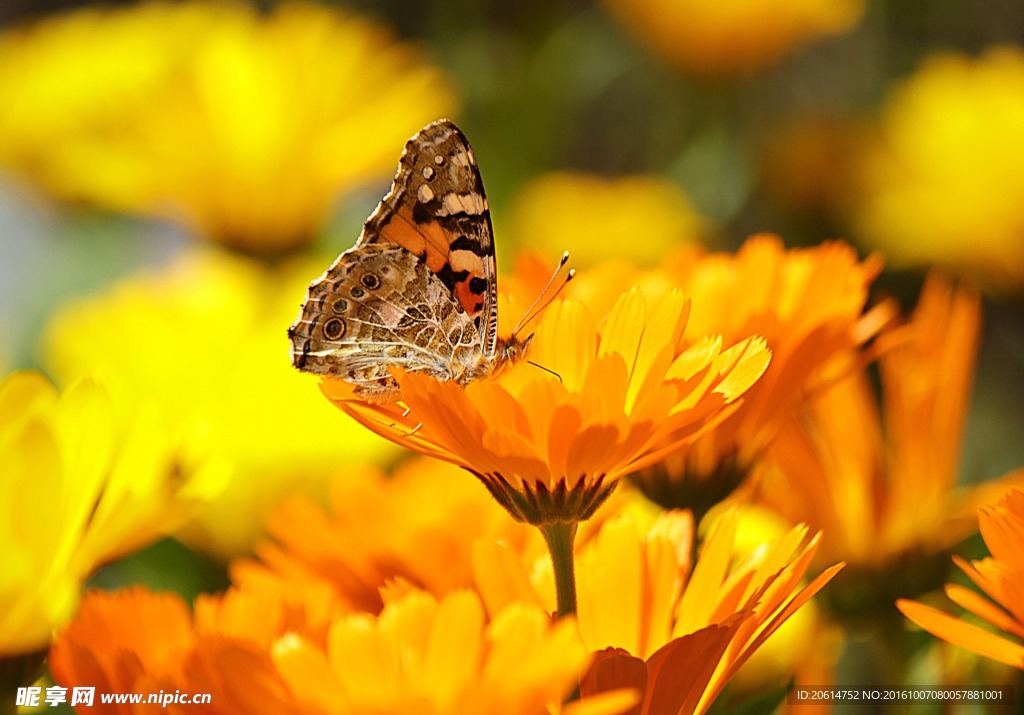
(962, 634)
(983, 608)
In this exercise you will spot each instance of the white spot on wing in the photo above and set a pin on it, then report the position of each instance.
(472, 203)
(425, 194)
(464, 261)
(464, 158)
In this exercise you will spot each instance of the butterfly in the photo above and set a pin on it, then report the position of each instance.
(418, 290)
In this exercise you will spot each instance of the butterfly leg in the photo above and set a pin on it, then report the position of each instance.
(414, 430)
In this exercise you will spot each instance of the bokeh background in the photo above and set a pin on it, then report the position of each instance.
(173, 174)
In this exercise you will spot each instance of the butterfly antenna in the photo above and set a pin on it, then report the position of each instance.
(539, 303)
(545, 369)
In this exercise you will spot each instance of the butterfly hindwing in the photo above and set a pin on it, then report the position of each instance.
(375, 308)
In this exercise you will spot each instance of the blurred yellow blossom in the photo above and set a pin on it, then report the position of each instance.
(203, 338)
(636, 218)
(735, 37)
(881, 479)
(944, 184)
(245, 126)
(1000, 577)
(80, 486)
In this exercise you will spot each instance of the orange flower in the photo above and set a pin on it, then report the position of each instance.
(707, 626)
(1000, 576)
(138, 641)
(675, 635)
(881, 479)
(879, 493)
(132, 641)
(808, 304)
(259, 656)
(614, 397)
(379, 529)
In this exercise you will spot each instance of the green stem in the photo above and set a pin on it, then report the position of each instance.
(559, 536)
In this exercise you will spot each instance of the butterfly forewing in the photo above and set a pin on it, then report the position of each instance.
(437, 210)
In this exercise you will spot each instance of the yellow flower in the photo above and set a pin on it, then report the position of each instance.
(705, 625)
(436, 656)
(245, 126)
(1000, 577)
(809, 306)
(676, 634)
(549, 444)
(799, 649)
(203, 339)
(634, 218)
(944, 184)
(723, 39)
(881, 480)
(80, 486)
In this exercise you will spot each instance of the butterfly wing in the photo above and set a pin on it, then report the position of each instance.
(379, 307)
(437, 210)
(418, 290)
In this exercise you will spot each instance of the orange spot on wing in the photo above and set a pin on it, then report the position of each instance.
(472, 302)
(419, 238)
(434, 242)
(404, 234)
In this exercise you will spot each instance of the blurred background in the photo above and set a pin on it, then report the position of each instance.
(894, 125)
(173, 174)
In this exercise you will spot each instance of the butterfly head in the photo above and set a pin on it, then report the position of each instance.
(512, 350)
